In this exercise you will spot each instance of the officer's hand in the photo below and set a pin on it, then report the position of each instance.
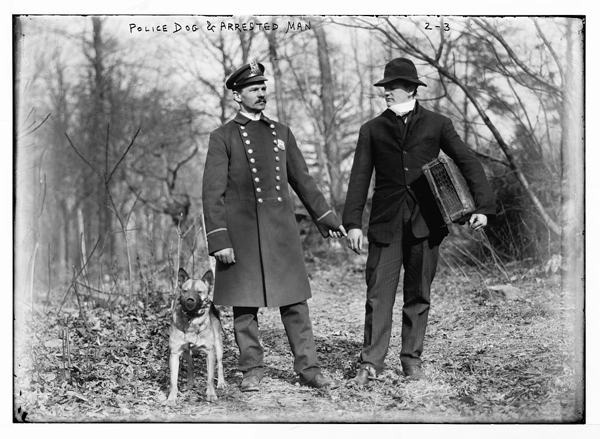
(354, 240)
(338, 233)
(225, 256)
(477, 221)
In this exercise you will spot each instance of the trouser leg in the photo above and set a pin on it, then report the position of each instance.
(245, 328)
(420, 263)
(382, 275)
(298, 328)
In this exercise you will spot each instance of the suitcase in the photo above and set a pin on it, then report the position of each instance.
(450, 190)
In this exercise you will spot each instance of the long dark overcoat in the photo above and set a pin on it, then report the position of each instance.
(397, 154)
(248, 207)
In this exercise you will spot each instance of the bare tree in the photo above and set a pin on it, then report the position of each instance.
(122, 216)
(278, 77)
(506, 61)
(329, 123)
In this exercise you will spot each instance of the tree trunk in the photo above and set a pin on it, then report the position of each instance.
(281, 116)
(99, 137)
(330, 132)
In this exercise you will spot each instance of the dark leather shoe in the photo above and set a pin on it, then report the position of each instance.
(320, 381)
(251, 383)
(363, 376)
(413, 372)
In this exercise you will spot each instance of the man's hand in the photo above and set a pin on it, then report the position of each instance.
(225, 256)
(354, 240)
(477, 221)
(338, 233)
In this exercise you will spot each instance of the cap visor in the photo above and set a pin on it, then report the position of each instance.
(252, 80)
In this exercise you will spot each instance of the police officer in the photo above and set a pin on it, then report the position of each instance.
(252, 231)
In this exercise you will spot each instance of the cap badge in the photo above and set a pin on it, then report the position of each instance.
(254, 69)
(281, 144)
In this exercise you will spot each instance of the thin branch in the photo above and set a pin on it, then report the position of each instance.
(513, 56)
(83, 158)
(490, 158)
(123, 156)
(551, 49)
(36, 128)
(180, 164)
(78, 274)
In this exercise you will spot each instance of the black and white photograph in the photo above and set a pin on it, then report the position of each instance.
(350, 219)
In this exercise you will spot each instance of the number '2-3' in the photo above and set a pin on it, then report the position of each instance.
(446, 27)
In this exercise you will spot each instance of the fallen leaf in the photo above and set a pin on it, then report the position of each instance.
(510, 292)
(55, 343)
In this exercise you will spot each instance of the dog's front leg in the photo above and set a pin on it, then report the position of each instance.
(219, 352)
(174, 369)
(187, 353)
(211, 394)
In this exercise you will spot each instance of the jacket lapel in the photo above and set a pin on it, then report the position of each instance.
(414, 118)
(393, 126)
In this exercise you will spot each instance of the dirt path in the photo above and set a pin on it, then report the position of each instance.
(490, 356)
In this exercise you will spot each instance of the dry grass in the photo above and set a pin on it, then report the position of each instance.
(488, 359)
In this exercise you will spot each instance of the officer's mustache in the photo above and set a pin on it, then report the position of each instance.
(261, 100)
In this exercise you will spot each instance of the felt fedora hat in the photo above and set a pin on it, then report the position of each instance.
(400, 68)
(246, 75)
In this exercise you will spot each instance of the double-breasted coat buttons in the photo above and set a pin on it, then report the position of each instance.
(261, 174)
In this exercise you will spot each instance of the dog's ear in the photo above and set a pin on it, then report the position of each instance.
(209, 278)
(182, 277)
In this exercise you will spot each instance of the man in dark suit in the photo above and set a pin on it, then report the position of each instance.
(405, 226)
(252, 232)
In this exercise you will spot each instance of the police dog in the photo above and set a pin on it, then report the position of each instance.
(195, 325)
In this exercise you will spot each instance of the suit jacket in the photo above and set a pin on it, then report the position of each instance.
(248, 207)
(397, 153)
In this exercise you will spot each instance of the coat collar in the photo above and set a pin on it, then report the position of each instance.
(243, 120)
(391, 120)
(416, 114)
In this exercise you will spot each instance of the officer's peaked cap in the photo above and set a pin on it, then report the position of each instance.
(246, 75)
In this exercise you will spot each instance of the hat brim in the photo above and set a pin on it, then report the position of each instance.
(389, 79)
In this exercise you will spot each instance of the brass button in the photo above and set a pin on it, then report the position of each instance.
(406, 169)
(242, 127)
(279, 199)
(272, 126)
(260, 200)
(256, 179)
(277, 188)
(277, 178)
(245, 134)
(254, 170)
(274, 133)
(277, 158)
(275, 142)
(259, 190)
(277, 168)
(276, 149)
(252, 160)
(403, 152)
(250, 151)
(247, 142)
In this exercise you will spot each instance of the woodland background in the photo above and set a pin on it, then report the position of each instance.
(112, 128)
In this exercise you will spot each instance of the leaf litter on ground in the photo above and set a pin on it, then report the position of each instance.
(488, 358)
